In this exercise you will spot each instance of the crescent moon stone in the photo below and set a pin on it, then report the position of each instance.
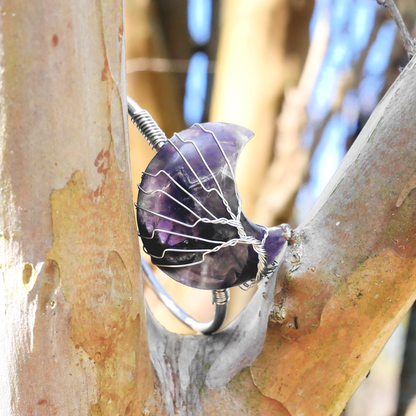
(188, 207)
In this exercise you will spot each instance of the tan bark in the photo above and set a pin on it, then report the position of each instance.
(73, 334)
(356, 280)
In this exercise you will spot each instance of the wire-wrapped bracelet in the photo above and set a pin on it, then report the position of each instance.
(190, 217)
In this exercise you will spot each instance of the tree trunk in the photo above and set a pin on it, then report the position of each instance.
(73, 331)
(74, 337)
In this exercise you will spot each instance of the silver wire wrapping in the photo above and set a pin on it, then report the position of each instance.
(234, 220)
(221, 296)
(156, 138)
(146, 125)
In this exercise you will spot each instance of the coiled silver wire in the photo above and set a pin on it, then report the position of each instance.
(221, 296)
(146, 125)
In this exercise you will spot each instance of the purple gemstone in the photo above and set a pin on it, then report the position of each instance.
(189, 211)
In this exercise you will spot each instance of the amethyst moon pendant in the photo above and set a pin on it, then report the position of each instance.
(189, 212)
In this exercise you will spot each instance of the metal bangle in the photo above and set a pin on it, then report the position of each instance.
(156, 138)
(219, 297)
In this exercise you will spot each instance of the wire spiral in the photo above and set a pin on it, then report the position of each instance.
(149, 129)
(221, 296)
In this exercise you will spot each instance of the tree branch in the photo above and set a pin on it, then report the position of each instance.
(73, 337)
(408, 41)
(346, 283)
(352, 273)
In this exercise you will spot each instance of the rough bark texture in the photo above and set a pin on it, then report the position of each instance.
(73, 335)
(347, 281)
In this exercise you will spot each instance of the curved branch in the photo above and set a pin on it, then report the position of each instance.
(355, 253)
(347, 281)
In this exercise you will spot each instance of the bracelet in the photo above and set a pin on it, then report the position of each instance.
(190, 218)
(219, 297)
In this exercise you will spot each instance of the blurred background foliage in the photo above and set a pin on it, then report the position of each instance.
(305, 77)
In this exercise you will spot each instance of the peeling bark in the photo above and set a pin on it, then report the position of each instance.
(73, 335)
(355, 279)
